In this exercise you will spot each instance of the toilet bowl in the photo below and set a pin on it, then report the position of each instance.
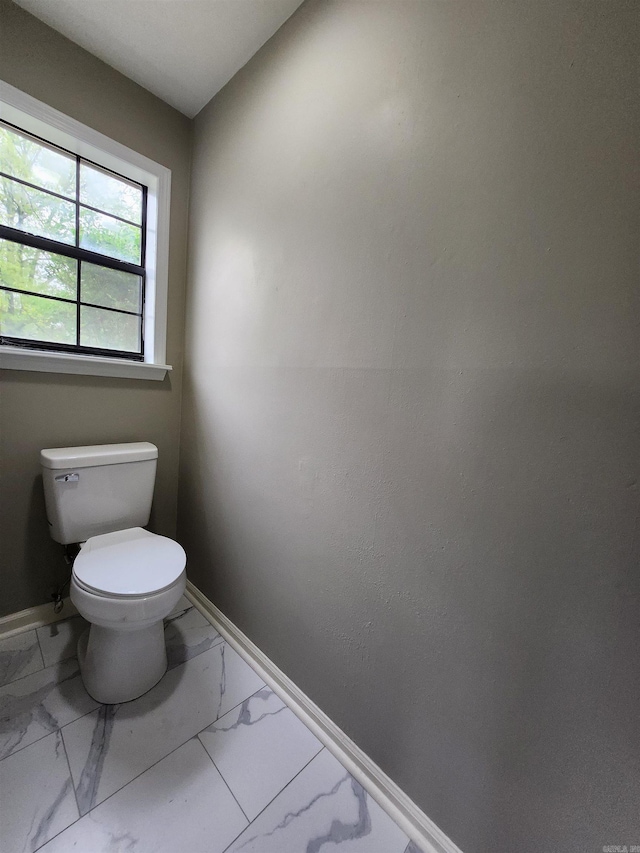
(124, 584)
(125, 580)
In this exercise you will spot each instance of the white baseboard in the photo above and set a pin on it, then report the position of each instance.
(420, 829)
(34, 617)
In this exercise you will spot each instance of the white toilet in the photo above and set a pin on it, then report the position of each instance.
(125, 580)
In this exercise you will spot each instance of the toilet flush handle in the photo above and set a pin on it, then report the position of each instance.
(67, 478)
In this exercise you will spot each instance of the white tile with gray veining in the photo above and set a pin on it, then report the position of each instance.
(59, 641)
(37, 799)
(180, 805)
(322, 809)
(113, 745)
(182, 769)
(259, 747)
(38, 704)
(187, 634)
(19, 656)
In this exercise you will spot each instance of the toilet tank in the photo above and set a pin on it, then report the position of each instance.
(97, 489)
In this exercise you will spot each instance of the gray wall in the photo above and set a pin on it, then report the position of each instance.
(409, 461)
(46, 410)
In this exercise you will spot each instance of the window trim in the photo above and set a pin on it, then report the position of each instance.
(38, 118)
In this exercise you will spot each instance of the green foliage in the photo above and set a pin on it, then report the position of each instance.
(29, 317)
(109, 236)
(111, 288)
(39, 164)
(23, 268)
(110, 194)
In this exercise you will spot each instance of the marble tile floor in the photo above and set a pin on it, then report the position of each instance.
(208, 760)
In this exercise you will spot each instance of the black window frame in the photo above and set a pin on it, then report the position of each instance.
(80, 255)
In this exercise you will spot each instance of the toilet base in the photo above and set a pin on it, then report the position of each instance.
(118, 666)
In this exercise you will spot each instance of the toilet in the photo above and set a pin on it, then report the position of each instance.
(125, 579)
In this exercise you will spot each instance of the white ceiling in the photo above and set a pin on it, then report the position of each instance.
(184, 51)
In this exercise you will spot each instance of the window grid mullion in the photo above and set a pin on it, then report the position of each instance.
(78, 262)
(80, 255)
(69, 251)
(29, 343)
(84, 204)
(35, 187)
(38, 295)
(111, 215)
(143, 261)
(70, 301)
(64, 150)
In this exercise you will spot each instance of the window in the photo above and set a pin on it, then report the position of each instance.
(82, 268)
(72, 246)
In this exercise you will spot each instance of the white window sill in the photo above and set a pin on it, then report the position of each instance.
(16, 358)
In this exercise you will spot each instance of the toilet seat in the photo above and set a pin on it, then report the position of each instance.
(130, 563)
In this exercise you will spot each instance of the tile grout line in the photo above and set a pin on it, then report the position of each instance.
(142, 772)
(38, 671)
(86, 714)
(196, 737)
(73, 656)
(222, 716)
(416, 825)
(44, 666)
(193, 737)
(57, 729)
(224, 780)
(81, 816)
(20, 677)
(53, 731)
(276, 796)
(219, 716)
(93, 710)
(18, 632)
(126, 785)
(66, 755)
(26, 746)
(62, 830)
(215, 643)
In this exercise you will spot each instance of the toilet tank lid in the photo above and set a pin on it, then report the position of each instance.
(97, 454)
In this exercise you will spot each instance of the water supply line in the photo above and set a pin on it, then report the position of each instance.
(70, 554)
